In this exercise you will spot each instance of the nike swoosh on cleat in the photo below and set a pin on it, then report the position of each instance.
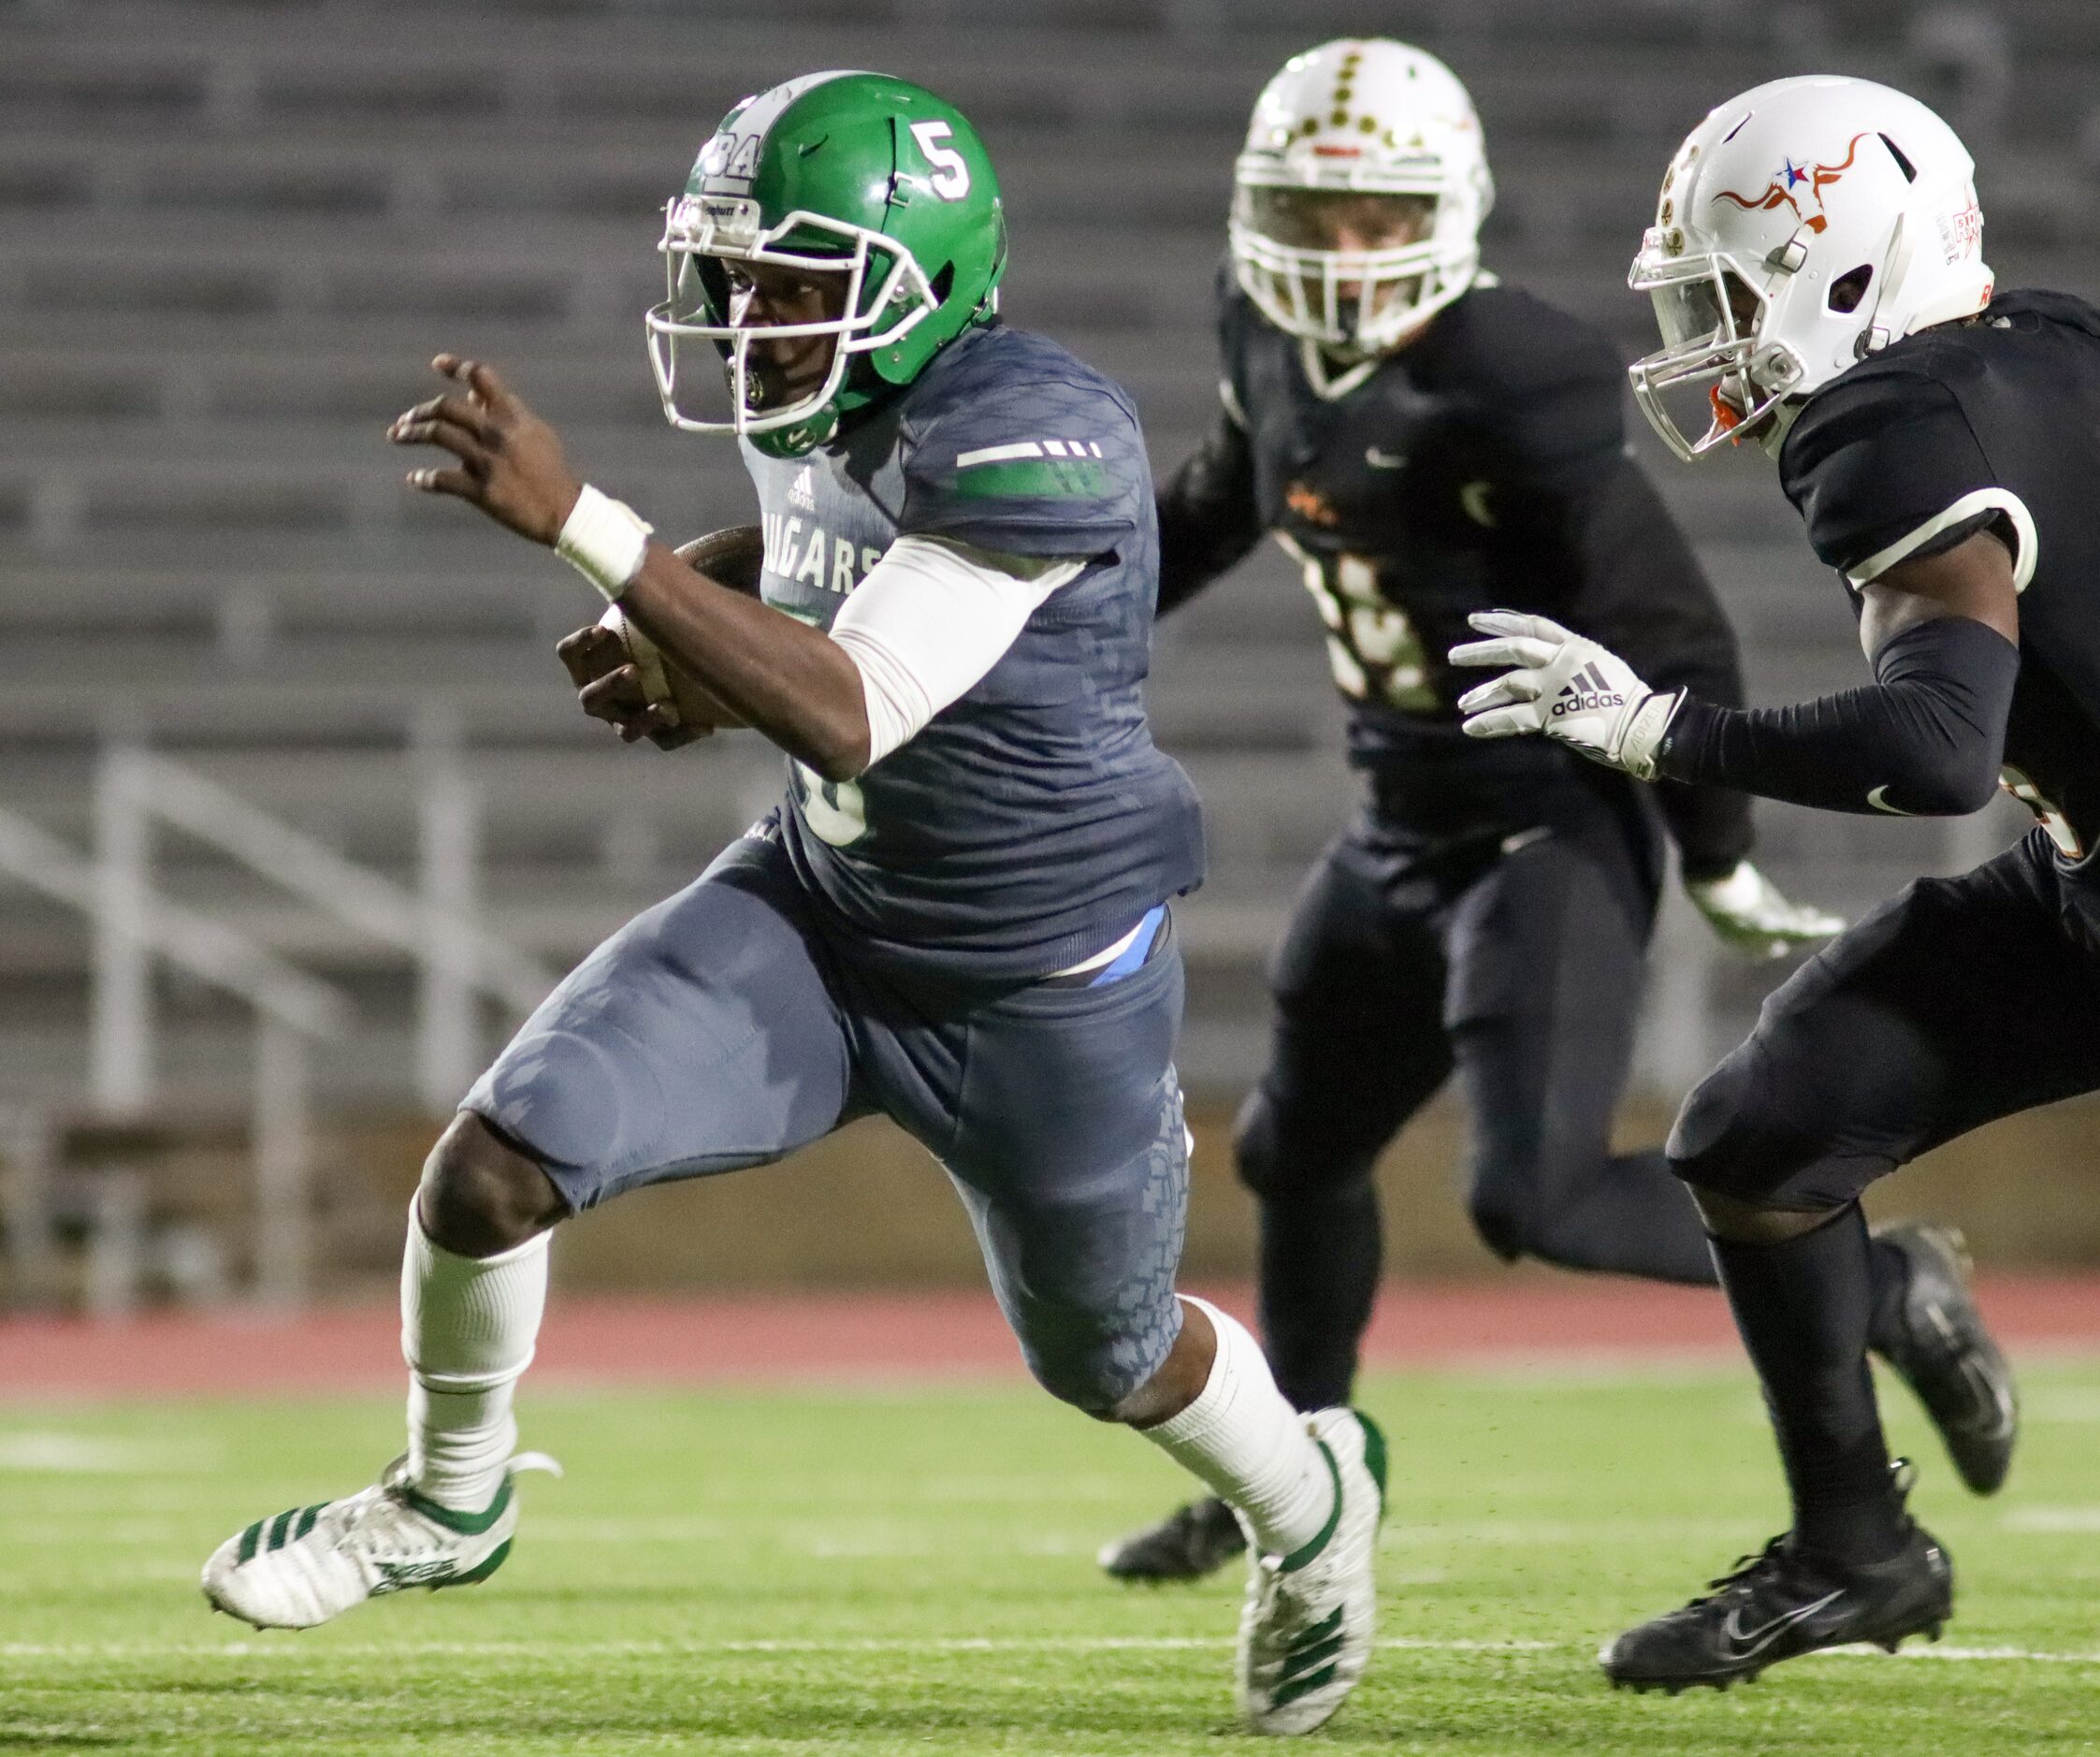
(1879, 798)
(1749, 1643)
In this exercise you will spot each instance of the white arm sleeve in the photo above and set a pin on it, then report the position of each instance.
(929, 621)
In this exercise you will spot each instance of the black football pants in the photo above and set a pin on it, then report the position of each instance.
(1512, 957)
(1954, 1003)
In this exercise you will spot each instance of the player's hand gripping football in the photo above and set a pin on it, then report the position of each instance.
(1750, 913)
(614, 685)
(1565, 686)
(625, 679)
(510, 463)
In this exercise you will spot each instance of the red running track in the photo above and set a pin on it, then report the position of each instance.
(1515, 1321)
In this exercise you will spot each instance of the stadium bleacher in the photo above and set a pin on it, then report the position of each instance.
(231, 234)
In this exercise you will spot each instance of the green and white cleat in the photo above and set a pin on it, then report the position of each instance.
(312, 1563)
(1306, 1630)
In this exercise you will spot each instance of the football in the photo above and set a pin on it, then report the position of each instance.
(730, 557)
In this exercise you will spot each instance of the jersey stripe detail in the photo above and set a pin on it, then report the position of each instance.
(2027, 555)
(998, 454)
(1041, 479)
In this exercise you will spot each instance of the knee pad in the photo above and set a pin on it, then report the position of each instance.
(1729, 1138)
(1502, 1219)
(1275, 1157)
(1733, 1138)
(1093, 1361)
(1700, 1148)
(1254, 1142)
(572, 1099)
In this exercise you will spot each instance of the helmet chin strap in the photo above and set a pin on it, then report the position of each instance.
(1330, 387)
(1896, 266)
(1772, 433)
(1356, 363)
(1878, 333)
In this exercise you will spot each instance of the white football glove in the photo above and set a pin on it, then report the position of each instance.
(1565, 686)
(1748, 911)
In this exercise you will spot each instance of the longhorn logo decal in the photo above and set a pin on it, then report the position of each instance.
(1779, 192)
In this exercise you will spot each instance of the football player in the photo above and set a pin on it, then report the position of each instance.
(1817, 274)
(1428, 443)
(959, 914)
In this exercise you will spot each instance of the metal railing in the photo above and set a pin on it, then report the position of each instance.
(292, 1012)
(435, 925)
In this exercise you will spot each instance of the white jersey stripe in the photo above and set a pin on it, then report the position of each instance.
(998, 454)
(1982, 500)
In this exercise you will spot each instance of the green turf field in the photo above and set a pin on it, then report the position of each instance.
(911, 1571)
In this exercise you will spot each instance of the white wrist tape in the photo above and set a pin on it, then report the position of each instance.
(604, 540)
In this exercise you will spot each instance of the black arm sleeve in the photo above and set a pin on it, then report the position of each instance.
(1923, 740)
(1207, 516)
(1643, 595)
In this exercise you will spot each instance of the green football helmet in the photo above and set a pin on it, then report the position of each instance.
(847, 173)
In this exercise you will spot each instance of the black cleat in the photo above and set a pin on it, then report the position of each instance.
(1188, 1544)
(1941, 1350)
(1780, 1604)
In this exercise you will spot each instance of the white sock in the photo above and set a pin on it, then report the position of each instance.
(1249, 1444)
(469, 1325)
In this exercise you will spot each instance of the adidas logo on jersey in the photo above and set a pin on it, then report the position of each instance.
(803, 492)
(1586, 691)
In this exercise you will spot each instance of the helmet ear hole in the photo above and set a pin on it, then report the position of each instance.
(1849, 288)
(943, 284)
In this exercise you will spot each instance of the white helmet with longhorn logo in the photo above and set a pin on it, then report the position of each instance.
(1802, 226)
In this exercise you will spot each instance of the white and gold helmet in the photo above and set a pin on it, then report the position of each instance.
(1358, 197)
(1802, 226)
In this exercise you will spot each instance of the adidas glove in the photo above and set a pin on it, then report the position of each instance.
(1748, 910)
(1567, 686)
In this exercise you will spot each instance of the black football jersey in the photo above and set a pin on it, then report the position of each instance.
(1990, 423)
(1482, 467)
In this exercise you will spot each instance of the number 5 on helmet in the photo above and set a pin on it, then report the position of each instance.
(907, 209)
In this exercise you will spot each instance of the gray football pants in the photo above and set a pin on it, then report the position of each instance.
(723, 1029)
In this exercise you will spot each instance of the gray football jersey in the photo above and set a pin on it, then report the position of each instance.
(1031, 823)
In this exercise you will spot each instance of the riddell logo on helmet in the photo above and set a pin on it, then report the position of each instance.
(1789, 176)
(1961, 233)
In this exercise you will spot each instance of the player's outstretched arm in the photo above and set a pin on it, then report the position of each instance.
(791, 681)
(1924, 739)
(1207, 518)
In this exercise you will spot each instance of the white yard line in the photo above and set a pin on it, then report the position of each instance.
(2051, 1519)
(52, 1452)
(275, 1647)
(565, 1653)
(1930, 1650)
